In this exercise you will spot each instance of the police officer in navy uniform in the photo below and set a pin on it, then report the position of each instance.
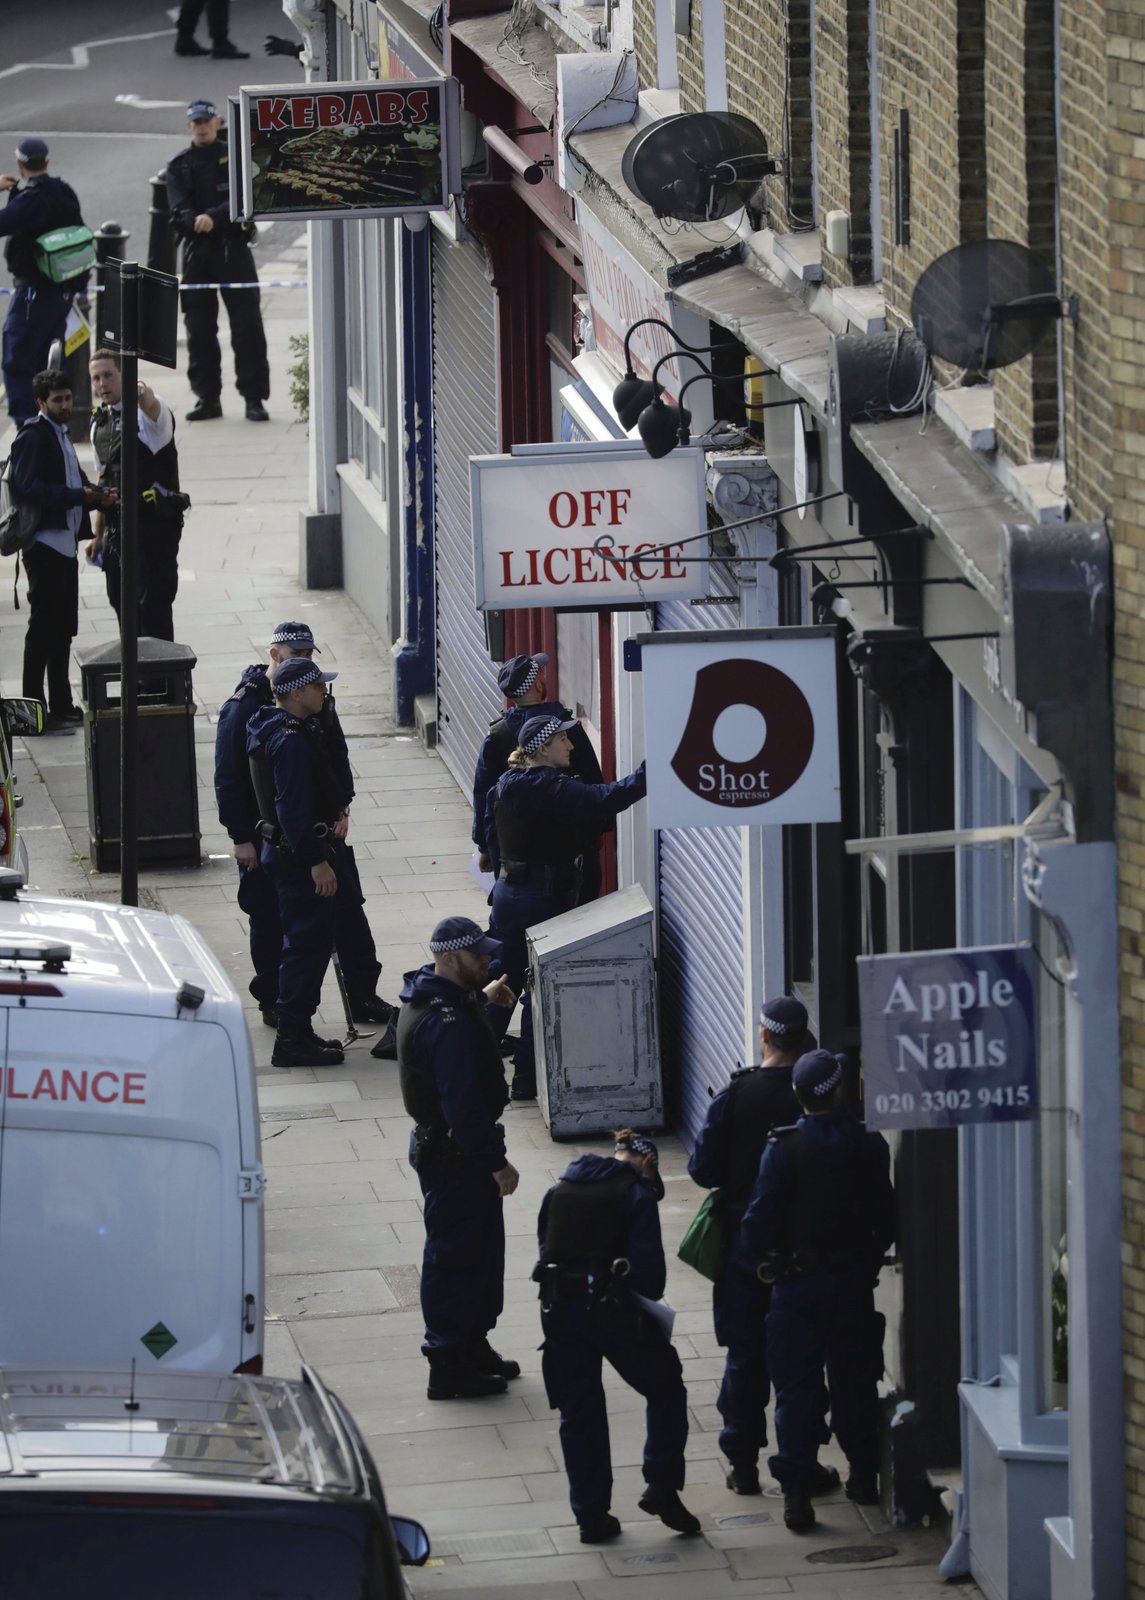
(540, 822)
(522, 682)
(726, 1158)
(599, 1237)
(820, 1220)
(302, 826)
(453, 1086)
(239, 814)
(216, 250)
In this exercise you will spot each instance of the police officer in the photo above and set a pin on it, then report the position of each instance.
(539, 824)
(160, 513)
(215, 250)
(302, 818)
(522, 682)
(239, 814)
(599, 1236)
(453, 1086)
(726, 1158)
(819, 1222)
(38, 308)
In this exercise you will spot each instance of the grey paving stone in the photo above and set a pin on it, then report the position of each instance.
(328, 1294)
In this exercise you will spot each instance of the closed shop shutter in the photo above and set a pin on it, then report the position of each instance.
(464, 425)
(701, 926)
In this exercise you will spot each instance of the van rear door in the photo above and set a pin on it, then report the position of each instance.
(120, 1211)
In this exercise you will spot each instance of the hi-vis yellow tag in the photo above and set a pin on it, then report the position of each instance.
(76, 332)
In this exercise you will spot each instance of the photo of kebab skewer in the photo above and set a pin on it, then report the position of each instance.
(330, 166)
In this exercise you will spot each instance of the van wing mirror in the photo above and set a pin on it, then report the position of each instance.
(24, 716)
(412, 1541)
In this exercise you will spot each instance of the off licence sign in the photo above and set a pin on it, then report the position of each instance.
(949, 1037)
(587, 528)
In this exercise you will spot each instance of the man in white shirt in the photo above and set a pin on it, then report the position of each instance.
(160, 519)
(46, 473)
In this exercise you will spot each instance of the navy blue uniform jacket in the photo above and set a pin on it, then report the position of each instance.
(284, 739)
(645, 1249)
(833, 1136)
(38, 477)
(44, 203)
(445, 1039)
(545, 792)
(583, 763)
(234, 791)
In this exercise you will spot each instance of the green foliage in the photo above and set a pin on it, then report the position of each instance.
(299, 375)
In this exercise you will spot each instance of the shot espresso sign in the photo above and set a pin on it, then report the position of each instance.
(587, 526)
(949, 1037)
(741, 727)
(350, 149)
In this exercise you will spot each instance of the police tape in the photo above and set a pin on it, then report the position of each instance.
(266, 283)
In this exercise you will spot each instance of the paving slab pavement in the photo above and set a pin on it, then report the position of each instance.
(343, 1208)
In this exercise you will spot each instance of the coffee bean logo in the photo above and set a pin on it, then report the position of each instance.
(749, 735)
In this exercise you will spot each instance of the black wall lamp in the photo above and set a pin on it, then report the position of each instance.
(632, 394)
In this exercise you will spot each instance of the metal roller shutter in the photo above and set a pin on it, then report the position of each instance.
(701, 926)
(464, 425)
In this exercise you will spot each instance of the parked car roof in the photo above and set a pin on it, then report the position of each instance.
(162, 1429)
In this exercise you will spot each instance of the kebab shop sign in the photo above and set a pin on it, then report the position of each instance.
(589, 528)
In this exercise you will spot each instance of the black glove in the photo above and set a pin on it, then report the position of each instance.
(283, 47)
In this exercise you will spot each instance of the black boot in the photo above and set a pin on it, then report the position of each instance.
(324, 1044)
(298, 1046)
(598, 1529)
(743, 1479)
(190, 47)
(798, 1512)
(372, 1008)
(456, 1379)
(486, 1359)
(822, 1480)
(863, 1488)
(205, 411)
(386, 1048)
(667, 1505)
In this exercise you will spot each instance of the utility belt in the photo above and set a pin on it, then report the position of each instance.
(167, 504)
(551, 877)
(272, 833)
(778, 1266)
(599, 1289)
(432, 1142)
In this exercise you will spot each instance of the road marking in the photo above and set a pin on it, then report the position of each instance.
(138, 104)
(81, 54)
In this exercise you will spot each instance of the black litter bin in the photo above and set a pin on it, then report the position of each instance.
(168, 781)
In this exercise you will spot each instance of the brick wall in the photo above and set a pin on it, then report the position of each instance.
(1124, 53)
(759, 88)
(690, 61)
(644, 41)
(843, 130)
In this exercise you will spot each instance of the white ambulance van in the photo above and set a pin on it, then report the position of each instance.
(131, 1186)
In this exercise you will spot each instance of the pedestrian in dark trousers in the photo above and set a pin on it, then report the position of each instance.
(302, 826)
(159, 524)
(215, 250)
(539, 823)
(820, 1220)
(726, 1158)
(38, 310)
(522, 681)
(46, 473)
(599, 1236)
(453, 1086)
(218, 26)
(239, 814)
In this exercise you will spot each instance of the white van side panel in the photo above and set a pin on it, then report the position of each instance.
(120, 1214)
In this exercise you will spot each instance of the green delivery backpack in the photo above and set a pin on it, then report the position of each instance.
(66, 253)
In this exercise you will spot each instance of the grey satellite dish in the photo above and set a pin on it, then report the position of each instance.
(699, 166)
(985, 304)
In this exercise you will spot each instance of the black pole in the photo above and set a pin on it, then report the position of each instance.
(110, 245)
(129, 586)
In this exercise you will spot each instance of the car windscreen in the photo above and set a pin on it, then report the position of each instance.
(105, 1548)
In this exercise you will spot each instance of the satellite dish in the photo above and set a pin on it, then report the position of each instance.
(698, 166)
(985, 304)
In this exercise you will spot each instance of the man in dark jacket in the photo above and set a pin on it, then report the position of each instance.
(46, 473)
(215, 250)
(726, 1158)
(820, 1220)
(600, 1249)
(453, 1086)
(239, 814)
(522, 681)
(38, 310)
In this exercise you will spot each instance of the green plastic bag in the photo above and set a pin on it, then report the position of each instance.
(702, 1247)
